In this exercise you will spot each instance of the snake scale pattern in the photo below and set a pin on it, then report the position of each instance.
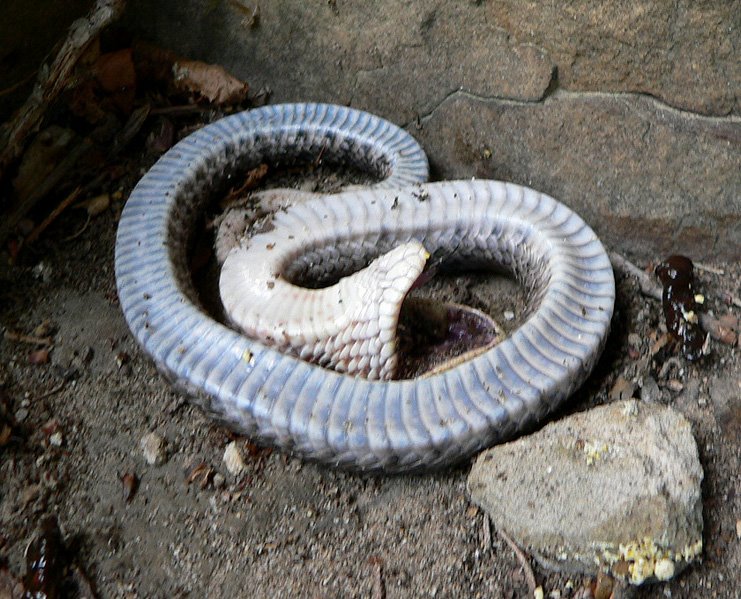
(321, 414)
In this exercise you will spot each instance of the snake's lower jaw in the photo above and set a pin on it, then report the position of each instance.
(436, 336)
(350, 327)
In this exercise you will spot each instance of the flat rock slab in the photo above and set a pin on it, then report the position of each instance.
(615, 488)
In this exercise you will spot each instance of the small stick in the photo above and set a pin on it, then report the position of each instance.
(716, 329)
(379, 587)
(53, 391)
(708, 268)
(21, 338)
(184, 109)
(41, 227)
(522, 558)
(53, 80)
(645, 282)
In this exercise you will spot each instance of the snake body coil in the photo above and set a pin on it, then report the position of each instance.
(395, 425)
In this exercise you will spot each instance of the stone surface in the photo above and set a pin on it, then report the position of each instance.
(560, 96)
(617, 486)
(644, 177)
(685, 53)
(725, 394)
(414, 52)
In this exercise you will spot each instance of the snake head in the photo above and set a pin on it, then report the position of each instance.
(350, 327)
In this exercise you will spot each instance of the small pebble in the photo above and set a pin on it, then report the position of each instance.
(509, 315)
(153, 448)
(56, 439)
(738, 529)
(674, 385)
(233, 459)
(664, 569)
(219, 481)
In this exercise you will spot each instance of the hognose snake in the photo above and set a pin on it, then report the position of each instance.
(280, 399)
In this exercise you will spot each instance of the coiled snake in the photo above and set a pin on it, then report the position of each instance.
(318, 413)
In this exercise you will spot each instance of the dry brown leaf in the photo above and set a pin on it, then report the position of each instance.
(116, 75)
(96, 205)
(211, 81)
(40, 356)
(622, 389)
(115, 71)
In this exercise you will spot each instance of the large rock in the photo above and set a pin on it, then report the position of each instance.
(576, 98)
(617, 487)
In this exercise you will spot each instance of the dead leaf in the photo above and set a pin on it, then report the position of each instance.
(96, 205)
(115, 73)
(622, 389)
(213, 82)
(5, 433)
(130, 482)
(38, 357)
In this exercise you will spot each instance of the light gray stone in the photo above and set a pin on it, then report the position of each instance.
(615, 487)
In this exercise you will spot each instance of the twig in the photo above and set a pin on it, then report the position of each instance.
(648, 286)
(53, 391)
(708, 268)
(41, 227)
(60, 172)
(79, 231)
(379, 587)
(53, 80)
(21, 338)
(522, 558)
(486, 537)
(717, 330)
(179, 110)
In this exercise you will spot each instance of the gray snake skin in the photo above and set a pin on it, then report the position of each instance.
(397, 425)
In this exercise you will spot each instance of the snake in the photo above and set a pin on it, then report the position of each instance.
(269, 387)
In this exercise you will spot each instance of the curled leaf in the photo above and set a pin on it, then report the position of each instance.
(210, 81)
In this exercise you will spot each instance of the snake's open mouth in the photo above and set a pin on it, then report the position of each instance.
(434, 336)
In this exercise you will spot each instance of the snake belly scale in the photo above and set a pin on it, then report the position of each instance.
(320, 414)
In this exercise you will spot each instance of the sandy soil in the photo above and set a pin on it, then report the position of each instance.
(286, 528)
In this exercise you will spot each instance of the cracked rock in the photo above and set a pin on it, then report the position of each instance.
(617, 488)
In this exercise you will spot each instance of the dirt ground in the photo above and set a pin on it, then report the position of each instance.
(285, 528)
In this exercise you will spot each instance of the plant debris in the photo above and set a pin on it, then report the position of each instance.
(209, 81)
(682, 305)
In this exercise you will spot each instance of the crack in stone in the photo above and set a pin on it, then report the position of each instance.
(628, 99)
